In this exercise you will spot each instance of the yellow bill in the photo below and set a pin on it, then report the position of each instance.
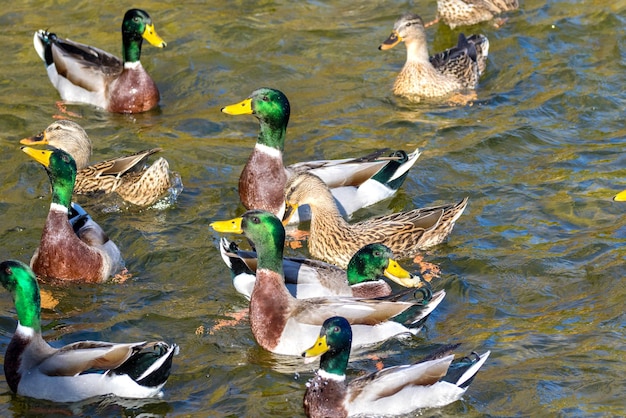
(620, 197)
(232, 226)
(396, 273)
(319, 348)
(393, 40)
(242, 108)
(40, 155)
(290, 209)
(151, 36)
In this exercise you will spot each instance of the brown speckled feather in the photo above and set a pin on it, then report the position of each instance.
(334, 240)
(451, 71)
(470, 12)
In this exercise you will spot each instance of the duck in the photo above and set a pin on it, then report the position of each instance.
(620, 197)
(76, 251)
(85, 74)
(448, 73)
(307, 278)
(436, 381)
(285, 325)
(80, 370)
(470, 12)
(334, 240)
(355, 182)
(127, 176)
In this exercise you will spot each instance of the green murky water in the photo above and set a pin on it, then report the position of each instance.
(533, 270)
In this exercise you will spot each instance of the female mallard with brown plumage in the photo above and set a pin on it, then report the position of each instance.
(84, 74)
(334, 240)
(355, 182)
(127, 176)
(77, 251)
(82, 370)
(283, 324)
(454, 70)
(470, 12)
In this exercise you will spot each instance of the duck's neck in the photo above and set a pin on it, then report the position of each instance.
(270, 253)
(28, 308)
(325, 214)
(417, 53)
(333, 364)
(62, 188)
(272, 136)
(131, 47)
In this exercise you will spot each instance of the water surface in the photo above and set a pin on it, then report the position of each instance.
(533, 269)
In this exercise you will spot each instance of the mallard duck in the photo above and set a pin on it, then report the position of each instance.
(72, 252)
(434, 382)
(355, 182)
(470, 12)
(620, 197)
(454, 70)
(80, 370)
(283, 324)
(306, 278)
(127, 176)
(84, 74)
(335, 241)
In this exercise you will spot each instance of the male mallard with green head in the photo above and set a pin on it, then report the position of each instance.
(283, 324)
(307, 278)
(77, 251)
(434, 382)
(355, 182)
(81, 370)
(84, 74)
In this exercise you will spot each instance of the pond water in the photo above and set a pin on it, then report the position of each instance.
(533, 270)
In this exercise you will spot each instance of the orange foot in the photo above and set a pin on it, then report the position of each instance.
(63, 109)
(237, 317)
(296, 236)
(428, 270)
(122, 276)
(378, 360)
(499, 22)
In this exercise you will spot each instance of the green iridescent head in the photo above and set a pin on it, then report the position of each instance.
(272, 109)
(333, 344)
(19, 279)
(61, 169)
(136, 27)
(267, 233)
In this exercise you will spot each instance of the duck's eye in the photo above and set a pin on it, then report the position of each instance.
(408, 24)
(266, 99)
(8, 271)
(377, 253)
(256, 220)
(336, 329)
(65, 158)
